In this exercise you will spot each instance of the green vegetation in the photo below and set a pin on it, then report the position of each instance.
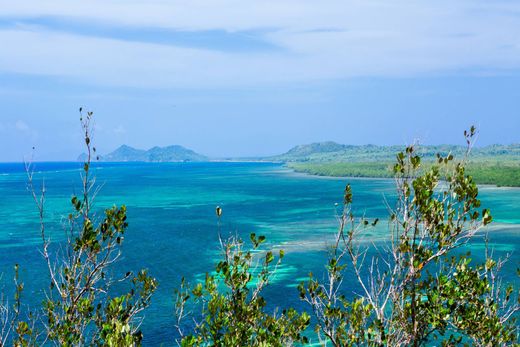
(414, 292)
(505, 174)
(375, 170)
(495, 164)
(329, 152)
(81, 307)
(232, 306)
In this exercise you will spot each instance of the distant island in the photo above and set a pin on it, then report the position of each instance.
(494, 164)
(173, 153)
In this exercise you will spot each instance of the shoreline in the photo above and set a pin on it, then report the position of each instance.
(328, 177)
(304, 173)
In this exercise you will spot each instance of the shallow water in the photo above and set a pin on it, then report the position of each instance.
(173, 227)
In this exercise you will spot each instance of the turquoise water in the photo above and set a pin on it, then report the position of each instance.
(172, 232)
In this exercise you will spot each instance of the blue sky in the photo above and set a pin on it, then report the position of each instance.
(246, 78)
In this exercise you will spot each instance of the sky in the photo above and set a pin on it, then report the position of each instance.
(230, 78)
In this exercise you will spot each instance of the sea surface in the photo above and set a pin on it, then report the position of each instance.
(173, 227)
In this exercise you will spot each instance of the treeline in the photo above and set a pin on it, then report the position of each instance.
(505, 174)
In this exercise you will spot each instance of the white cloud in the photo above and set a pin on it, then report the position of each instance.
(249, 14)
(318, 40)
(23, 130)
(119, 130)
(21, 126)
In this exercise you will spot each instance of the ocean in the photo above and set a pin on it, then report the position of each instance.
(173, 227)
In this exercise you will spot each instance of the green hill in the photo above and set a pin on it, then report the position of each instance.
(334, 152)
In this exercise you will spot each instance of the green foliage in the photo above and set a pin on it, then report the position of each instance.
(114, 323)
(78, 298)
(417, 292)
(233, 311)
(11, 320)
(495, 164)
(505, 173)
(484, 171)
(81, 307)
(330, 152)
(339, 169)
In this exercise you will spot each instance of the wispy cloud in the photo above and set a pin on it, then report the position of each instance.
(119, 130)
(198, 43)
(22, 130)
(21, 126)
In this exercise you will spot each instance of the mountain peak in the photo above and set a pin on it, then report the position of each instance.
(316, 147)
(125, 147)
(173, 153)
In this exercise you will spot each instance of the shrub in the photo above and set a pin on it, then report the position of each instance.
(232, 308)
(81, 305)
(416, 290)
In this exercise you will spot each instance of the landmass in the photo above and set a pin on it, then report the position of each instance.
(174, 153)
(494, 164)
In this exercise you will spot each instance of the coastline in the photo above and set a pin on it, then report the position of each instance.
(295, 172)
(304, 172)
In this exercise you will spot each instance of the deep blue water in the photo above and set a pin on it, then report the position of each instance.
(173, 233)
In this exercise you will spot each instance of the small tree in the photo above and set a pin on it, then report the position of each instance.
(21, 332)
(416, 290)
(81, 306)
(233, 311)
